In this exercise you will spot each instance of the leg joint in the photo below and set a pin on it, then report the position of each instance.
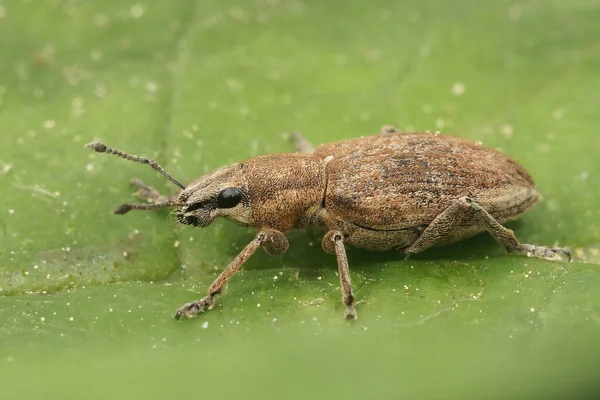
(330, 240)
(349, 299)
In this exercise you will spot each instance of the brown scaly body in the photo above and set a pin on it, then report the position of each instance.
(402, 181)
(403, 191)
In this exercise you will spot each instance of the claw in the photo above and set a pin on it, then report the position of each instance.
(191, 309)
(547, 253)
(178, 315)
(563, 253)
(350, 313)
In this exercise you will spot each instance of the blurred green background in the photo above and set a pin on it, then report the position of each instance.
(88, 297)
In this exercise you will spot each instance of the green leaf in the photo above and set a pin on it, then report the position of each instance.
(89, 297)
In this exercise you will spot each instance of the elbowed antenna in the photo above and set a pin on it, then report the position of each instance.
(102, 148)
(125, 208)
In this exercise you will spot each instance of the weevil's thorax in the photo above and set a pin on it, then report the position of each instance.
(280, 191)
(284, 189)
(222, 193)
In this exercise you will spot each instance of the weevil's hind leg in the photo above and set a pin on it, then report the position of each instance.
(388, 130)
(441, 227)
(302, 144)
(273, 241)
(148, 193)
(333, 243)
(510, 242)
(445, 225)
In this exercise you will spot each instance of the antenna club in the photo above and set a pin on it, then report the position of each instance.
(123, 209)
(102, 148)
(97, 146)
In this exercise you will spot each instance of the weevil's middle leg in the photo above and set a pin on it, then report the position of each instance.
(388, 130)
(333, 242)
(148, 193)
(274, 242)
(303, 145)
(449, 221)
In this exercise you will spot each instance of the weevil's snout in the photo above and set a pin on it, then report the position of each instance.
(222, 193)
(187, 219)
(198, 215)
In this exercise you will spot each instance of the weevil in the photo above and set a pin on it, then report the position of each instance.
(392, 191)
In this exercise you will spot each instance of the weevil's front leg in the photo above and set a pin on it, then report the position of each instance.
(148, 193)
(447, 224)
(333, 243)
(303, 145)
(272, 240)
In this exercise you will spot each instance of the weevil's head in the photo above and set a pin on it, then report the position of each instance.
(222, 193)
(280, 191)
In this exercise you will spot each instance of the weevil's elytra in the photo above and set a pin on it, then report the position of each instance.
(393, 191)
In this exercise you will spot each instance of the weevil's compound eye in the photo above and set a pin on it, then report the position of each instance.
(229, 197)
